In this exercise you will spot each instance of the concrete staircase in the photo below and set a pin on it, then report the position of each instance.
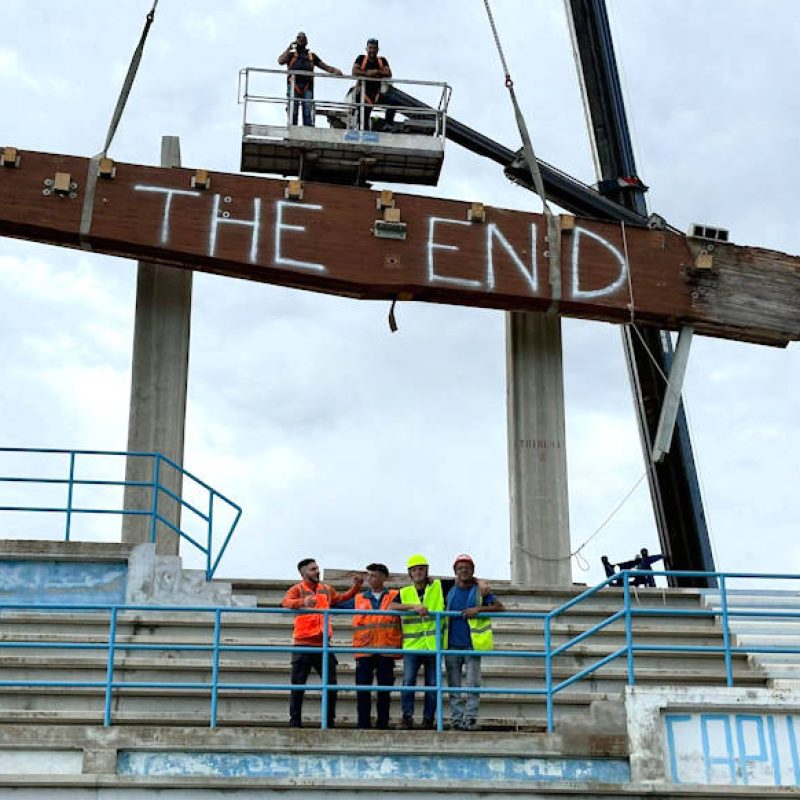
(779, 631)
(52, 739)
(77, 642)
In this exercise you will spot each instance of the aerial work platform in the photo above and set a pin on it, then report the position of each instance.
(354, 144)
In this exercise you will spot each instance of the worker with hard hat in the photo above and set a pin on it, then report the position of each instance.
(471, 630)
(422, 596)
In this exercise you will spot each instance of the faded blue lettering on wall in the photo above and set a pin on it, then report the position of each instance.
(378, 767)
(62, 582)
(745, 749)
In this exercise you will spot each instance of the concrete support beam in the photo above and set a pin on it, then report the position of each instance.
(158, 386)
(540, 543)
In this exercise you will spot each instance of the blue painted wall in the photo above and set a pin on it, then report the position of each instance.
(392, 767)
(62, 582)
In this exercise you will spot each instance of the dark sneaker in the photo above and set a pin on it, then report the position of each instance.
(469, 725)
(407, 723)
(428, 724)
(295, 723)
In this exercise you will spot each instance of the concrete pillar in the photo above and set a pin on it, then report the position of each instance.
(158, 386)
(537, 455)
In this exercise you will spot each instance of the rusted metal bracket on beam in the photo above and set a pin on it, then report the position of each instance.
(672, 398)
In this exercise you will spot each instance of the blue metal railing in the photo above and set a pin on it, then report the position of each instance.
(212, 550)
(216, 648)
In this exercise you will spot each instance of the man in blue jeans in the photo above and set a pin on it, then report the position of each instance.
(467, 632)
(298, 58)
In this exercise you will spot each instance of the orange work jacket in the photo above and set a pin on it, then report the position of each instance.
(376, 630)
(308, 626)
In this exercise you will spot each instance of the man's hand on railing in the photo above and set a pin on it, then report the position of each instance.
(469, 613)
(421, 609)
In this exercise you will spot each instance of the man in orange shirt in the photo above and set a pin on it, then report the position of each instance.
(308, 630)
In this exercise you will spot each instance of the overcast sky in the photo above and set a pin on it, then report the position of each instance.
(342, 440)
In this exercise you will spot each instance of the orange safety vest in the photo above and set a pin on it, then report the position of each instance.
(299, 85)
(309, 626)
(367, 99)
(376, 630)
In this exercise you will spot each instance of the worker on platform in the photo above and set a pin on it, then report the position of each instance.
(422, 596)
(308, 632)
(610, 570)
(375, 631)
(300, 90)
(469, 631)
(371, 65)
(646, 562)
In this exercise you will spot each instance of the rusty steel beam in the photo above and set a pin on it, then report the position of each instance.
(257, 229)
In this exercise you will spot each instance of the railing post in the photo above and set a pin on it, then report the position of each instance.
(726, 633)
(325, 662)
(70, 486)
(112, 635)
(626, 593)
(439, 720)
(548, 672)
(210, 535)
(292, 99)
(215, 667)
(156, 490)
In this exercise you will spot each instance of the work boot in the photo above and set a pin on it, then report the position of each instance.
(408, 722)
(428, 724)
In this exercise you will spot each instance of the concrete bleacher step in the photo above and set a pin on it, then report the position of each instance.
(754, 632)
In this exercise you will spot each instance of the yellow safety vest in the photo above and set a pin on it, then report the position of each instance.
(480, 629)
(419, 633)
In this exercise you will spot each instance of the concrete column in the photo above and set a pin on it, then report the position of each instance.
(158, 386)
(537, 454)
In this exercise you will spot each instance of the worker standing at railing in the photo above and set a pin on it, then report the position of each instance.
(371, 65)
(298, 58)
(467, 632)
(375, 631)
(419, 637)
(308, 632)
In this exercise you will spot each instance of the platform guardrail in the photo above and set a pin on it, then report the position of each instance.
(628, 611)
(215, 542)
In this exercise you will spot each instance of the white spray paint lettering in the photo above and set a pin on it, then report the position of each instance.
(217, 220)
(531, 276)
(170, 193)
(493, 233)
(432, 246)
(280, 225)
(605, 291)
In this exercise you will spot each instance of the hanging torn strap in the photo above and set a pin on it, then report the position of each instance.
(94, 164)
(553, 228)
(392, 318)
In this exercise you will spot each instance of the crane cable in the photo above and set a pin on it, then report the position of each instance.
(553, 232)
(94, 162)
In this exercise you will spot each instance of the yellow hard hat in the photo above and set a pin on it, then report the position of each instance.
(417, 560)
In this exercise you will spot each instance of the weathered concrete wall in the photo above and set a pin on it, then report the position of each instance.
(62, 582)
(714, 736)
(398, 767)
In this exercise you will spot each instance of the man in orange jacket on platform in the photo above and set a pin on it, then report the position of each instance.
(375, 630)
(307, 594)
